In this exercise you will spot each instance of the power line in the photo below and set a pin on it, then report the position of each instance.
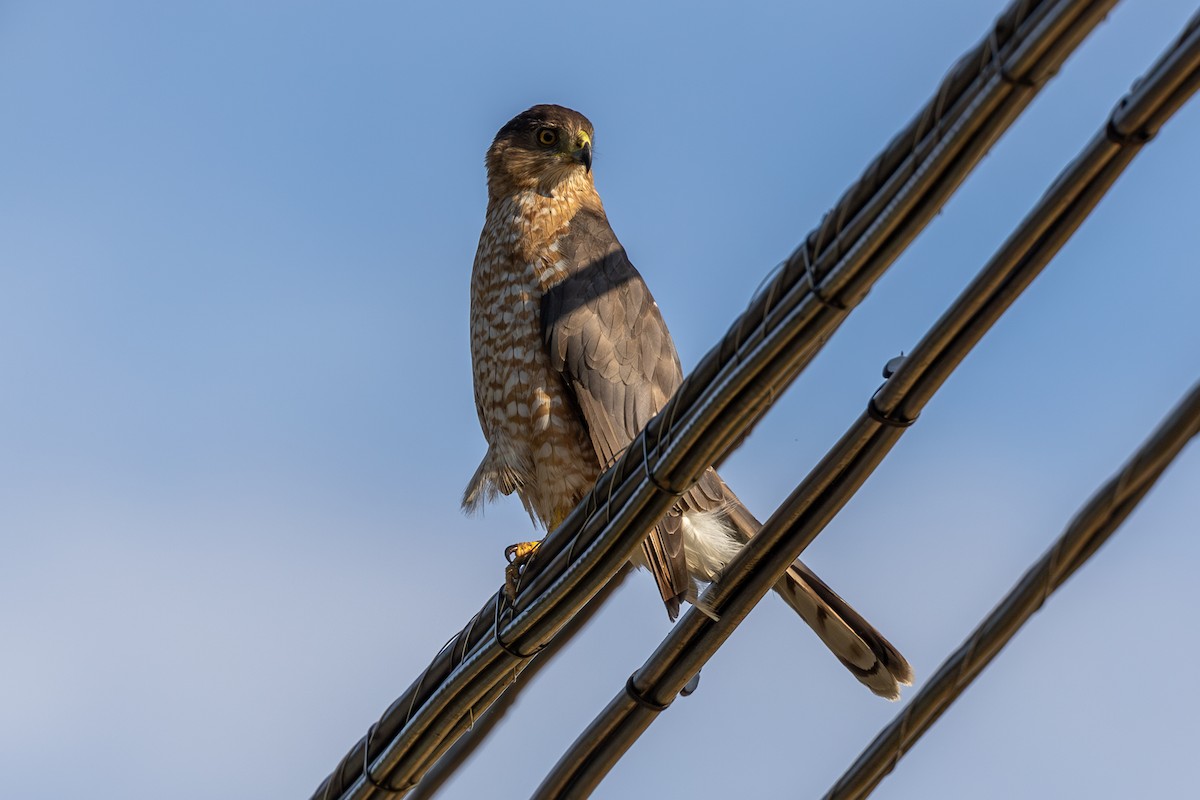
(822, 494)
(465, 746)
(900, 192)
(1090, 528)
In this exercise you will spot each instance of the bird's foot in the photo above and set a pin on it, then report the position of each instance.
(518, 556)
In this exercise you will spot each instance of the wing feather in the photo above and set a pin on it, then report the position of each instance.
(606, 336)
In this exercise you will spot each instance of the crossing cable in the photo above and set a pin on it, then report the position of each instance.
(822, 494)
(900, 192)
(1090, 528)
(437, 776)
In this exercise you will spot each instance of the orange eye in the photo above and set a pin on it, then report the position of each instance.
(547, 137)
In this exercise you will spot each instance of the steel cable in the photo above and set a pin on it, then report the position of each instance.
(898, 195)
(693, 640)
(1090, 528)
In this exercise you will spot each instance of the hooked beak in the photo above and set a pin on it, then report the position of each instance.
(583, 152)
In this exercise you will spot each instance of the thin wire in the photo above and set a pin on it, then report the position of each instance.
(814, 286)
(503, 594)
(1100, 517)
(895, 187)
(842, 471)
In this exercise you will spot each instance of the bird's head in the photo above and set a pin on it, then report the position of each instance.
(540, 149)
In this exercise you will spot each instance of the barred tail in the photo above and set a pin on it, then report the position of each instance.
(854, 641)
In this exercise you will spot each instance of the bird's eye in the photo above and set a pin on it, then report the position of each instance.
(547, 137)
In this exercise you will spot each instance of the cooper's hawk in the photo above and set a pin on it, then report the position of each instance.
(572, 358)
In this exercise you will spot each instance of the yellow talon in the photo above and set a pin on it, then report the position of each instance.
(521, 551)
(518, 556)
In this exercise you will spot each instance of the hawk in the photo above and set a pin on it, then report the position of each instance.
(571, 358)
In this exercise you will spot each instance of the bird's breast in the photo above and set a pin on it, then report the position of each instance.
(524, 407)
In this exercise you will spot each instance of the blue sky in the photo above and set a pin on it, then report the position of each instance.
(235, 243)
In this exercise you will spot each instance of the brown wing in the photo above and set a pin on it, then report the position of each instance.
(607, 337)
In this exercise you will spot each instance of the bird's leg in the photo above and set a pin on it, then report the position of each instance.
(518, 556)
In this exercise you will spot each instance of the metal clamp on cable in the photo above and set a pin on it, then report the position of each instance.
(1002, 68)
(650, 473)
(883, 419)
(383, 787)
(1125, 139)
(814, 284)
(501, 601)
(641, 699)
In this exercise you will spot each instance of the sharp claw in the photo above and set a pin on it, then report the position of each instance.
(517, 555)
(521, 551)
(511, 573)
